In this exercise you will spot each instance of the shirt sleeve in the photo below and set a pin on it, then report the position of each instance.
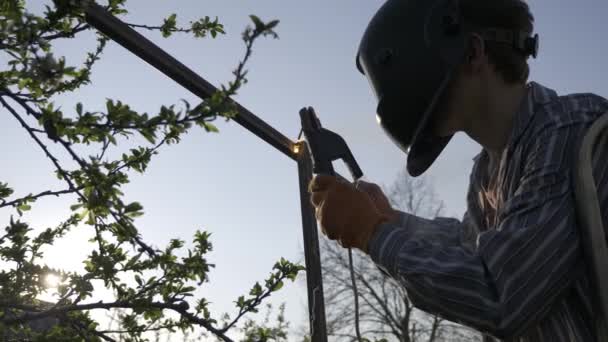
(507, 283)
(445, 230)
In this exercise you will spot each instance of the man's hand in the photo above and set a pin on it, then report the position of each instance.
(378, 197)
(348, 214)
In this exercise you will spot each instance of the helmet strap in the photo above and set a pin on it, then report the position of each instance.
(519, 40)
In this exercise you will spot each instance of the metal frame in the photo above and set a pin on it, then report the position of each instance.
(312, 256)
(139, 45)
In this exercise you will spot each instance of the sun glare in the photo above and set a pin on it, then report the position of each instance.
(52, 280)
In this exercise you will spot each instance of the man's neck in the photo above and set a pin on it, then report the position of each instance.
(491, 124)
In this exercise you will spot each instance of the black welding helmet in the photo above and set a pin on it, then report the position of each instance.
(408, 53)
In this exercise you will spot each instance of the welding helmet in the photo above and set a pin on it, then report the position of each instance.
(409, 53)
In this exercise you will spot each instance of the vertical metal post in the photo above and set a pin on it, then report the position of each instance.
(314, 280)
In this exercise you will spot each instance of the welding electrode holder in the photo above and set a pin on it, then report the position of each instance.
(326, 146)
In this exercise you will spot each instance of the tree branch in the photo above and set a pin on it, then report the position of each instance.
(253, 304)
(49, 155)
(57, 193)
(154, 28)
(70, 34)
(69, 149)
(179, 308)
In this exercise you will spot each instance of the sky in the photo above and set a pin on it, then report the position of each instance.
(233, 184)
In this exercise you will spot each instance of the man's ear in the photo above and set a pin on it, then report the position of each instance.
(476, 54)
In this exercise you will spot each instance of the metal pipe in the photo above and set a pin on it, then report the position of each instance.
(314, 280)
(139, 45)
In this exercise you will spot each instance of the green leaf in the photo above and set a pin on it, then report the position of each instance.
(79, 108)
(111, 139)
(24, 207)
(169, 25)
(149, 135)
(23, 83)
(256, 290)
(209, 127)
(138, 280)
(5, 191)
(272, 24)
(278, 286)
(83, 214)
(135, 206)
(259, 25)
(240, 302)
(172, 19)
(89, 266)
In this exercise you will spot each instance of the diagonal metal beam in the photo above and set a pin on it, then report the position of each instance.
(142, 47)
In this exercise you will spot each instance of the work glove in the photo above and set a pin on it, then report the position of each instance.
(377, 195)
(348, 214)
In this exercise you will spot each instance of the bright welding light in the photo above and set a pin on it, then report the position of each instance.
(52, 280)
(296, 148)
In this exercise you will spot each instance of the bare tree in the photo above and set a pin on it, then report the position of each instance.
(385, 310)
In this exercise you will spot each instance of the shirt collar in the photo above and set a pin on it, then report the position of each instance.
(536, 95)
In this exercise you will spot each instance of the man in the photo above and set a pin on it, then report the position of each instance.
(513, 267)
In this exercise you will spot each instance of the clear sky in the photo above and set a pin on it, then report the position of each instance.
(235, 185)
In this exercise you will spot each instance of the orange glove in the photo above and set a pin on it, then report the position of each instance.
(346, 213)
(378, 197)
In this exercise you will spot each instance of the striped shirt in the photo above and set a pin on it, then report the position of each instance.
(513, 268)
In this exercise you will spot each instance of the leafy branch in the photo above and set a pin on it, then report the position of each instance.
(284, 270)
(153, 286)
(199, 28)
(181, 308)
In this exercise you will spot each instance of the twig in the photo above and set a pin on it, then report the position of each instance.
(84, 329)
(252, 305)
(82, 164)
(4, 203)
(69, 149)
(151, 28)
(106, 145)
(239, 73)
(148, 328)
(54, 160)
(150, 151)
(61, 171)
(70, 34)
(149, 250)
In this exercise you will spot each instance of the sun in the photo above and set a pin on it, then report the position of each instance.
(52, 280)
